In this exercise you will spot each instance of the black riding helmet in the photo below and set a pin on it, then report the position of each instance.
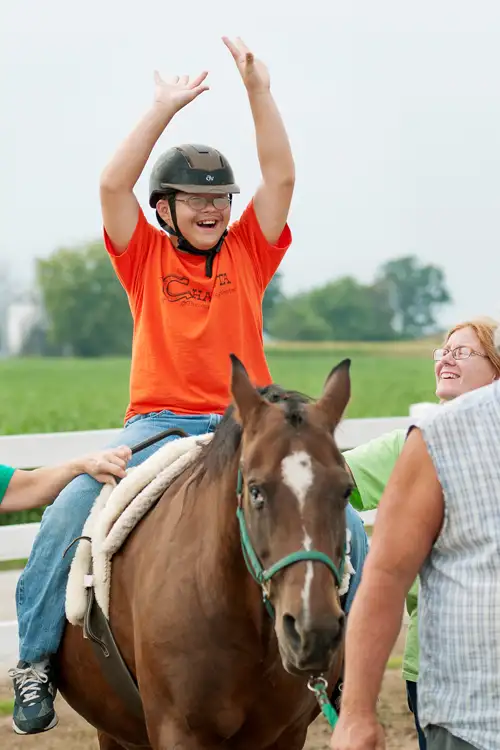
(190, 168)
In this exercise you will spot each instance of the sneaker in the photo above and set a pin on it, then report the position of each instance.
(34, 698)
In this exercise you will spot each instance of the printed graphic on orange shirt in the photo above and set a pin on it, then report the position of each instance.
(178, 288)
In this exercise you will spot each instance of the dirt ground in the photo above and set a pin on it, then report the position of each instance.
(73, 733)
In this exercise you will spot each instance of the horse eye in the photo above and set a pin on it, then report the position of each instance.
(256, 496)
(347, 493)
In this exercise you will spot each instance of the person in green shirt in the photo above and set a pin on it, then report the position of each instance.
(469, 359)
(24, 490)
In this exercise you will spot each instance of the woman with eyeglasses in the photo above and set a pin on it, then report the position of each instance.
(468, 359)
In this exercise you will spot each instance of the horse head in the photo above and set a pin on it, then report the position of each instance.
(293, 491)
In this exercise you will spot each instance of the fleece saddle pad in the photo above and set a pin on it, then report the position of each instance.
(115, 513)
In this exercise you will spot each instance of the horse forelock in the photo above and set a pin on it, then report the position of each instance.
(226, 442)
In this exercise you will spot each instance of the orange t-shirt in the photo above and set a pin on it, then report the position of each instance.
(186, 324)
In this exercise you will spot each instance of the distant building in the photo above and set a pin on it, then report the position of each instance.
(267, 338)
(18, 319)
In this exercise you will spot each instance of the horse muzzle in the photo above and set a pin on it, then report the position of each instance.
(308, 647)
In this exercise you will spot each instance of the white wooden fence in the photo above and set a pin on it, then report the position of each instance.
(31, 451)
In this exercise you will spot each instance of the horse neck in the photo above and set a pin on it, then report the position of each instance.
(218, 513)
(221, 563)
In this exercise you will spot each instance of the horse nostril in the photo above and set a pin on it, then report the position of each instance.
(291, 632)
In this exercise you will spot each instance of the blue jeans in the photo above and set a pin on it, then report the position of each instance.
(359, 551)
(41, 590)
(412, 695)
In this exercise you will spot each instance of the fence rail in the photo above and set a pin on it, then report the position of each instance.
(44, 449)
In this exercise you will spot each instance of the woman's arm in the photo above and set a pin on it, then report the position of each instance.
(32, 489)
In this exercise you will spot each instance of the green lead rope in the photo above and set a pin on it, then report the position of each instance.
(318, 685)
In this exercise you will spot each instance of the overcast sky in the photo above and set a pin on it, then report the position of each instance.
(392, 107)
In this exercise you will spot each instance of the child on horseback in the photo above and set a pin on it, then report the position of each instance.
(195, 289)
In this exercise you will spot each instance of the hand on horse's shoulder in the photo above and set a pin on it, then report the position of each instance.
(358, 732)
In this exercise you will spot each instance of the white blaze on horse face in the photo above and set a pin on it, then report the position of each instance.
(298, 476)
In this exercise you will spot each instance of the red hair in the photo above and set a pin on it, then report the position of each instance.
(488, 332)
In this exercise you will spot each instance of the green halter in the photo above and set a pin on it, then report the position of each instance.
(264, 575)
(317, 685)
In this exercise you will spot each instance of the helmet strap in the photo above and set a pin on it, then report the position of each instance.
(186, 246)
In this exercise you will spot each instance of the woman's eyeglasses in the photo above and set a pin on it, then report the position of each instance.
(459, 352)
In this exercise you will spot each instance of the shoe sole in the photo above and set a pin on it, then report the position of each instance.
(52, 724)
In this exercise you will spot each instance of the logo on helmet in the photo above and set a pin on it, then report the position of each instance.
(209, 178)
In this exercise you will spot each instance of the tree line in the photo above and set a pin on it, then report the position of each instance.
(403, 302)
(86, 312)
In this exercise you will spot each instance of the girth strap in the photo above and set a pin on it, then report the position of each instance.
(98, 631)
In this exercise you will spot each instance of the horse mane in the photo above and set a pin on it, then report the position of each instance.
(215, 456)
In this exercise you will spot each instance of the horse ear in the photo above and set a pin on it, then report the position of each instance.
(336, 393)
(245, 397)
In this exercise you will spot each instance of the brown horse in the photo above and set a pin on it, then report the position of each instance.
(213, 668)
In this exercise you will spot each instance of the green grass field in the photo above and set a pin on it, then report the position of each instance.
(49, 395)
